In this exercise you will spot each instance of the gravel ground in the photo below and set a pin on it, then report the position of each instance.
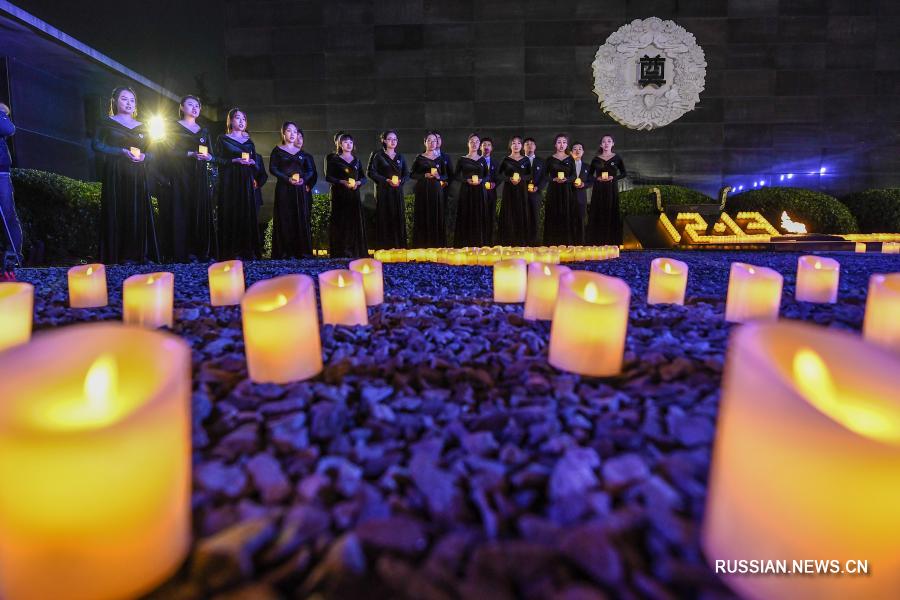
(439, 455)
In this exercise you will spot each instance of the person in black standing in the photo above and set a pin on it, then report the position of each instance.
(605, 221)
(536, 184)
(186, 220)
(293, 169)
(470, 211)
(429, 230)
(7, 202)
(513, 226)
(127, 231)
(580, 188)
(238, 206)
(560, 201)
(446, 168)
(490, 190)
(387, 168)
(347, 233)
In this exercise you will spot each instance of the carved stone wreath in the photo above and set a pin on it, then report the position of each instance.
(617, 73)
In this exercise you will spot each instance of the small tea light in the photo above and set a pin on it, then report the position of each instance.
(817, 279)
(351, 182)
(95, 460)
(343, 298)
(860, 247)
(434, 171)
(560, 175)
(16, 313)
(245, 156)
(753, 293)
(542, 290)
(295, 177)
(475, 179)
(890, 247)
(668, 281)
(532, 187)
(516, 177)
(135, 152)
(395, 180)
(202, 150)
(373, 280)
(881, 324)
(578, 182)
(587, 335)
(806, 461)
(226, 283)
(510, 280)
(148, 300)
(281, 330)
(87, 286)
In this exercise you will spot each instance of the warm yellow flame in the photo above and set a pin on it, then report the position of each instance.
(101, 382)
(813, 380)
(340, 281)
(546, 270)
(157, 128)
(591, 292)
(90, 271)
(667, 268)
(366, 269)
(150, 280)
(751, 270)
(226, 269)
(818, 265)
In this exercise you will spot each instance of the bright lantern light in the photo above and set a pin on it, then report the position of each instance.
(157, 128)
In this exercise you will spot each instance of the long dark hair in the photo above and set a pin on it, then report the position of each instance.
(114, 100)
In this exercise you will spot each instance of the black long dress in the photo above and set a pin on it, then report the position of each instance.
(584, 173)
(291, 225)
(346, 231)
(490, 195)
(514, 226)
(447, 172)
(429, 229)
(539, 181)
(604, 221)
(186, 208)
(237, 204)
(470, 203)
(390, 208)
(559, 212)
(127, 230)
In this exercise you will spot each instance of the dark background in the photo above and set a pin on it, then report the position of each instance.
(792, 85)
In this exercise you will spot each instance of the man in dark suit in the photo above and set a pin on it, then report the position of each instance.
(490, 187)
(537, 183)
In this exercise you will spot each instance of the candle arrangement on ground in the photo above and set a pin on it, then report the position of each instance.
(226, 283)
(87, 286)
(441, 434)
(16, 309)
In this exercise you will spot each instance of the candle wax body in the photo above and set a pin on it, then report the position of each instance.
(16, 313)
(542, 289)
(373, 280)
(226, 283)
(87, 286)
(882, 320)
(667, 287)
(817, 279)
(135, 152)
(510, 280)
(96, 495)
(203, 150)
(753, 293)
(149, 303)
(245, 156)
(343, 298)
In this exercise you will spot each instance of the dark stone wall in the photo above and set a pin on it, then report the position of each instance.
(792, 85)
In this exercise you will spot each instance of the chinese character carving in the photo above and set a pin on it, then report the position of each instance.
(653, 71)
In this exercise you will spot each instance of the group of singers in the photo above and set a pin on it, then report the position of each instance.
(198, 222)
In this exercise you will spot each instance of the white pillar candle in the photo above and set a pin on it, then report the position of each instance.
(87, 286)
(589, 323)
(753, 293)
(542, 290)
(882, 320)
(343, 298)
(16, 313)
(668, 281)
(510, 280)
(890, 247)
(817, 279)
(281, 330)
(226, 283)
(95, 462)
(373, 280)
(806, 463)
(860, 247)
(148, 300)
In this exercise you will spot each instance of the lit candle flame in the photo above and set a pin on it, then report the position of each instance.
(340, 281)
(150, 280)
(591, 292)
(366, 269)
(546, 270)
(751, 270)
(226, 269)
(818, 265)
(90, 271)
(667, 268)
(100, 383)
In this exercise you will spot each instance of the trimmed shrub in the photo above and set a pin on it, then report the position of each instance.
(876, 211)
(820, 212)
(639, 200)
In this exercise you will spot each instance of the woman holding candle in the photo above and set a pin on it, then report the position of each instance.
(347, 233)
(580, 188)
(605, 222)
(387, 168)
(428, 217)
(237, 206)
(514, 224)
(560, 203)
(187, 228)
(127, 232)
(293, 168)
(470, 202)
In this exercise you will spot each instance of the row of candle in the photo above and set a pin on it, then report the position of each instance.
(488, 255)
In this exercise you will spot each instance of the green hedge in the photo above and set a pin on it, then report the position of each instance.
(640, 201)
(820, 212)
(876, 211)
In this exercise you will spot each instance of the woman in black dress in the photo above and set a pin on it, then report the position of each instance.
(127, 231)
(293, 168)
(237, 208)
(446, 164)
(605, 221)
(347, 233)
(387, 168)
(429, 230)
(559, 207)
(471, 199)
(186, 217)
(513, 222)
(580, 188)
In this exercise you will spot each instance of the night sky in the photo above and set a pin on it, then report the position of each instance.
(166, 41)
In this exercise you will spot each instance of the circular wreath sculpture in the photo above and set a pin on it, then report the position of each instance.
(649, 73)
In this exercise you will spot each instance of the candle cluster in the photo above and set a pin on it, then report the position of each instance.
(488, 255)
